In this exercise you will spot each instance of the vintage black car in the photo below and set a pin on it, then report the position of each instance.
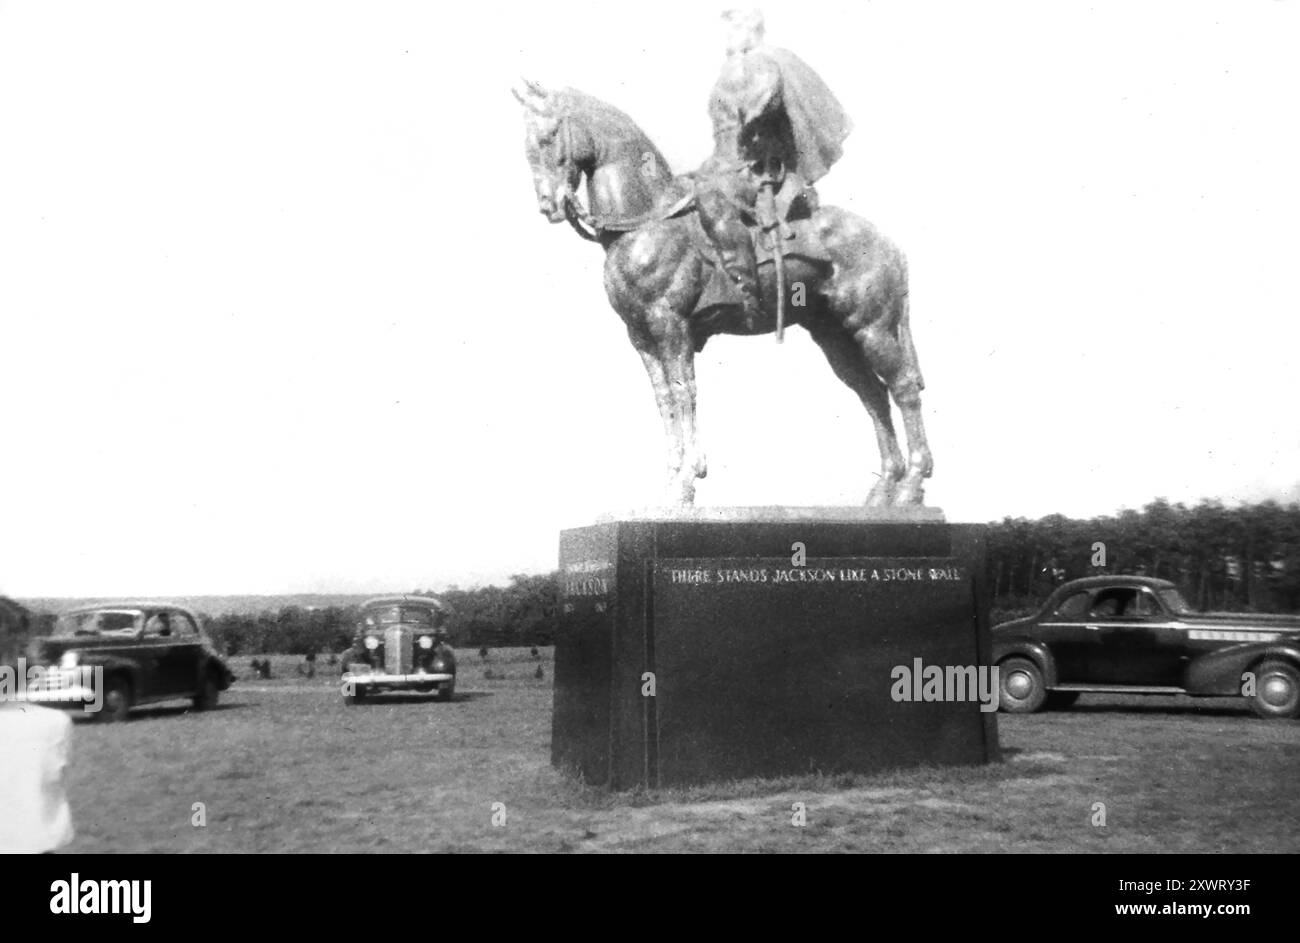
(120, 656)
(1137, 635)
(400, 645)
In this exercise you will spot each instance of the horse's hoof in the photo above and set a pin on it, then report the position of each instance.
(680, 494)
(881, 495)
(909, 493)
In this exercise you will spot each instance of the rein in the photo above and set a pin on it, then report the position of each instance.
(581, 221)
(586, 224)
(590, 227)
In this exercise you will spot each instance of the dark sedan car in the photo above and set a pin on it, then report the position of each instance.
(115, 657)
(400, 645)
(1136, 635)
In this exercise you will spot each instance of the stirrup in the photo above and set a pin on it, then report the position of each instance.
(751, 303)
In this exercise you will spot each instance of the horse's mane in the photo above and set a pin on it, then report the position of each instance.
(572, 99)
(611, 124)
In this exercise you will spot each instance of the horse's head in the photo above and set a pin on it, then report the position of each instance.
(556, 173)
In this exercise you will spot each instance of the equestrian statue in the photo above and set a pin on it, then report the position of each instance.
(740, 246)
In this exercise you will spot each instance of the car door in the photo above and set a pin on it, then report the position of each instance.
(121, 636)
(165, 676)
(1139, 644)
(1158, 652)
(186, 656)
(1064, 632)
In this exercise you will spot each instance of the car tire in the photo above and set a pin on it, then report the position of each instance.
(1060, 700)
(209, 693)
(1021, 689)
(117, 701)
(448, 691)
(1277, 690)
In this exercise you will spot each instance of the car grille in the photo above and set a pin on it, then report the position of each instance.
(398, 654)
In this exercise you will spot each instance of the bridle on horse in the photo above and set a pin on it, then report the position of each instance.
(583, 223)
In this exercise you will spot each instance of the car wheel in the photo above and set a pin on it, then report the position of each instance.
(1060, 700)
(1277, 690)
(448, 691)
(209, 693)
(117, 701)
(1021, 686)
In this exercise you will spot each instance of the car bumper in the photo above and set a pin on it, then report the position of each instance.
(381, 679)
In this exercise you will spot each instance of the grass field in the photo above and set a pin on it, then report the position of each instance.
(283, 765)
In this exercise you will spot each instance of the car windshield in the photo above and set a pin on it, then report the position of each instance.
(1175, 601)
(418, 615)
(410, 615)
(118, 623)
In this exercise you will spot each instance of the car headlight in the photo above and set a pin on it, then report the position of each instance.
(371, 642)
(426, 642)
(69, 660)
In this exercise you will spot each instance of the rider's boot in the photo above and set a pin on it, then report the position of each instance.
(737, 255)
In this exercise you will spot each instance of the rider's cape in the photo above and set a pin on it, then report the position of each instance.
(767, 78)
(817, 119)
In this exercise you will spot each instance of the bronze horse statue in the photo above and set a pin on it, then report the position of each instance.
(658, 266)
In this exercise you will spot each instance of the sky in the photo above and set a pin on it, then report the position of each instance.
(278, 313)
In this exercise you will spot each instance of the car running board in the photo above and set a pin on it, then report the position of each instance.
(1117, 689)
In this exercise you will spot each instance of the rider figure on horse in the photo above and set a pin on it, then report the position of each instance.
(777, 129)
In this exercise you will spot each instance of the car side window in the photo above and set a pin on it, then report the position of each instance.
(159, 625)
(1112, 603)
(183, 626)
(1073, 606)
(1148, 605)
(113, 623)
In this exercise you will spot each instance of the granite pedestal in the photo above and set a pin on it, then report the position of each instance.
(715, 644)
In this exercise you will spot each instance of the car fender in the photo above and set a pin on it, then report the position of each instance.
(1221, 672)
(1035, 651)
(116, 666)
(355, 655)
(447, 653)
(216, 665)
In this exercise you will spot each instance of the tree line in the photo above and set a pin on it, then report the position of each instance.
(522, 613)
(1245, 557)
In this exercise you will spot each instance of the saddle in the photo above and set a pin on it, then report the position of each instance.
(788, 233)
(791, 229)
